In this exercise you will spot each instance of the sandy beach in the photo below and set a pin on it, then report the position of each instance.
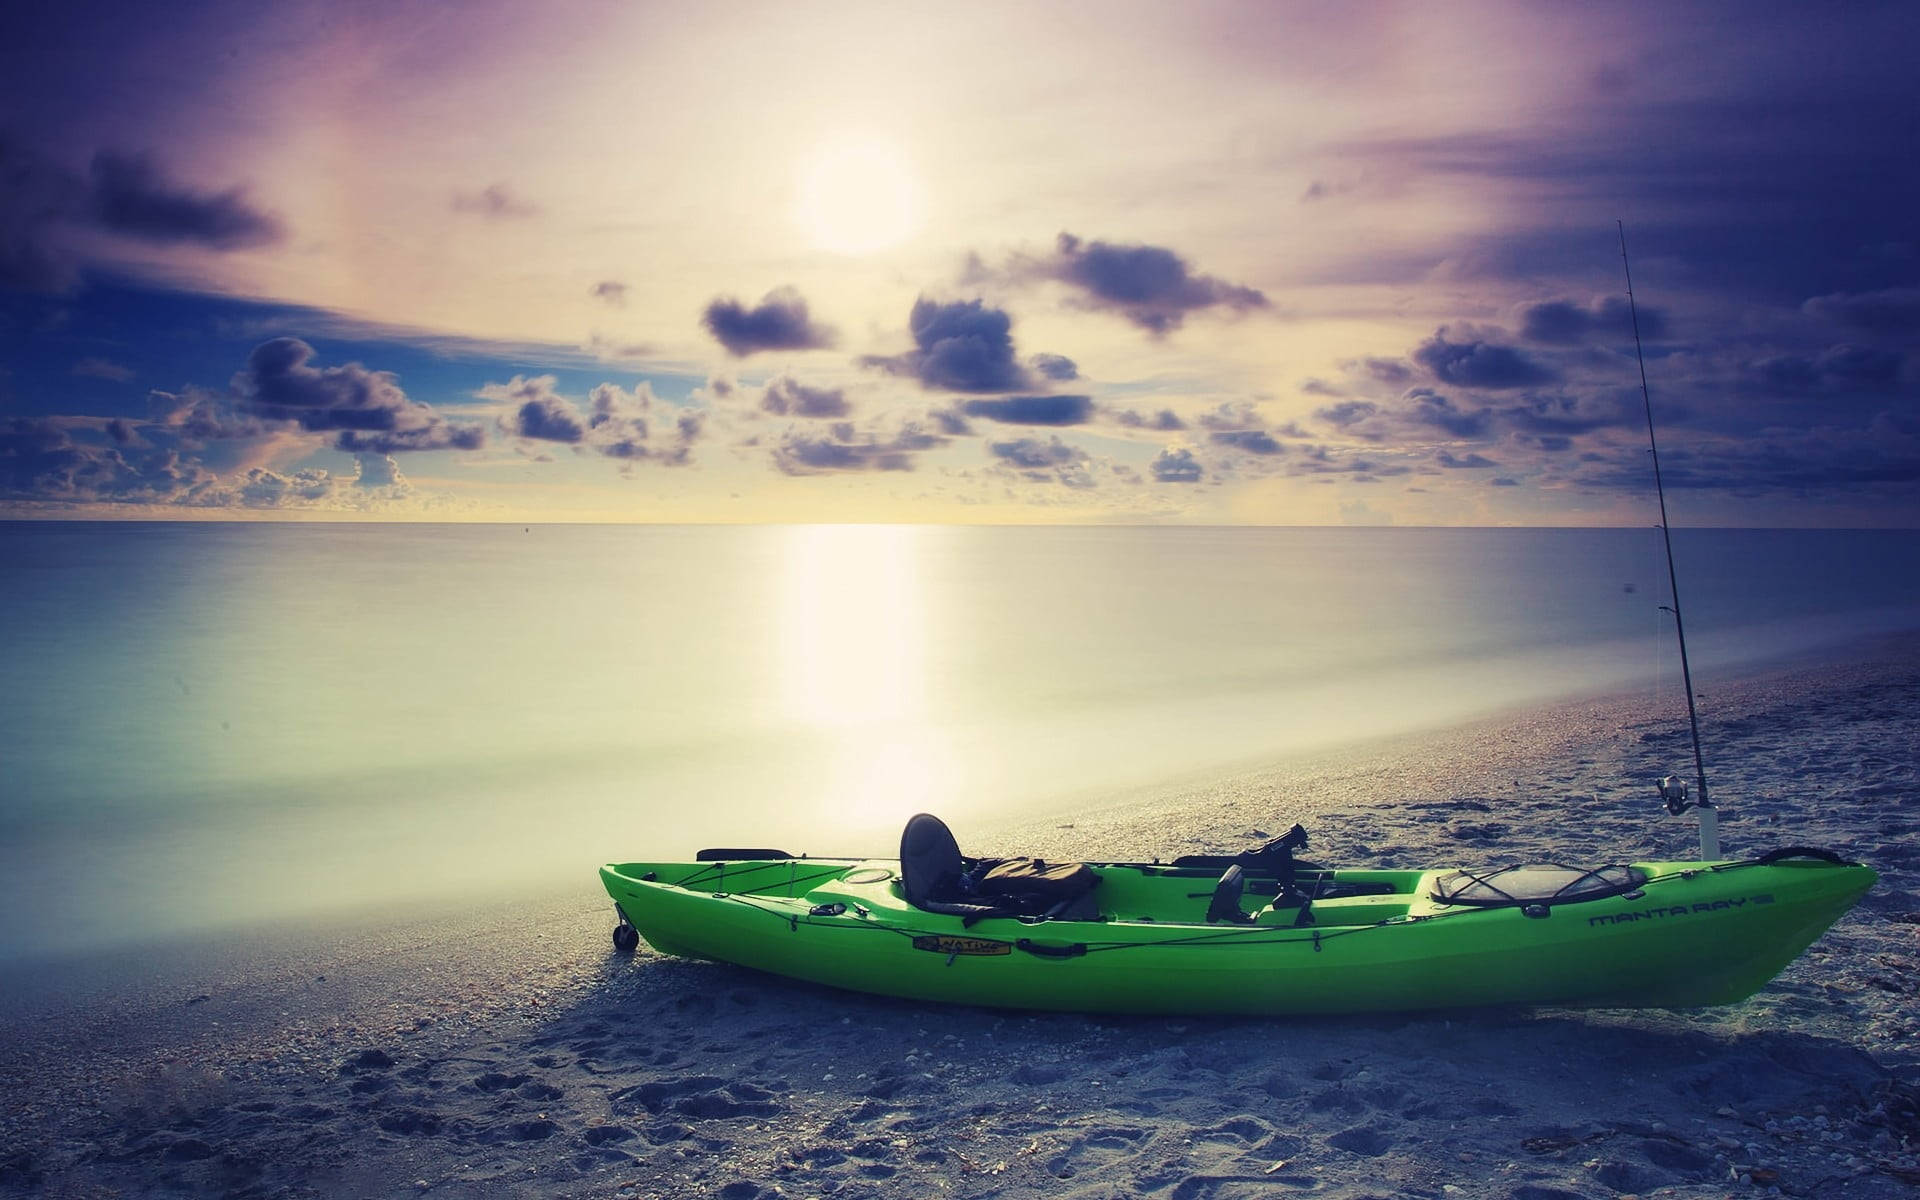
(503, 1048)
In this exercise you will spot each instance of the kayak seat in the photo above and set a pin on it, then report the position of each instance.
(930, 862)
(931, 869)
(1225, 905)
(936, 877)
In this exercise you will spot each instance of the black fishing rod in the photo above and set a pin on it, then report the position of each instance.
(1672, 790)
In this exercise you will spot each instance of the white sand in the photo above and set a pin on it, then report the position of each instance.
(508, 1051)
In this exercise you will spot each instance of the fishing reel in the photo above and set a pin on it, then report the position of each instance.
(1673, 790)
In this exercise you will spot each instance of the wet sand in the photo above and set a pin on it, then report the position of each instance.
(507, 1050)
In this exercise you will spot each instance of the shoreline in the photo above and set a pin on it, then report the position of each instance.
(253, 1064)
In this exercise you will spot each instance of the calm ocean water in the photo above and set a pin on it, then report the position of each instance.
(210, 724)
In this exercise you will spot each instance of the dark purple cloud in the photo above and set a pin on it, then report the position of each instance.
(131, 195)
(963, 346)
(41, 458)
(1055, 366)
(779, 322)
(787, 396)
(843, 448)
(1050, 461)
(1427, 407)
(1469, 462)
(1033, 410)
(1035, 454)
(1166, 420)
(1348, 413)
(1891, 311)
(1837, 369)
(44, 204)
(1253, 441)
(951, 422)
(367, 408)
(1568, 322)
(549, 419)
(1392, 371)
(616, 424)
(495, 202)
(1477, 364)
(1775, 183)
(610, 290)
(1150, 286)
(1175, 465)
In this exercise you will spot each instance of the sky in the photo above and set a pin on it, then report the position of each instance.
(1213, 263)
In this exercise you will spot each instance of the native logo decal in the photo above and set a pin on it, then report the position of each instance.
(1678, 910)
(941, 943)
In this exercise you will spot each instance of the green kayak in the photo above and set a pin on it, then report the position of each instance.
(1257, 933)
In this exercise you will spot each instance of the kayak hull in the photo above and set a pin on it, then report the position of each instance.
(1694, 934)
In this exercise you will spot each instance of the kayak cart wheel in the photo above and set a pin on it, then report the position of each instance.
(625, 938)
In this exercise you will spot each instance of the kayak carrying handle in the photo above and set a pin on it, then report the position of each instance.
(1785, 852)
(1035, 948)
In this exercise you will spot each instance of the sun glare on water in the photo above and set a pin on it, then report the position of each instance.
(855, 621)
(858, 196)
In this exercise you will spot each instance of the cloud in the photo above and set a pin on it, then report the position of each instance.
(963, 346)
(495, 203)
(610, 349)
(45, 204)
(200, 415)
(1347, 413)
(100, 368)
(1426, 407)
(610, 290)
(1151, 286)
(1034, 453)
(1253, 441)
(380, 471)
(1055, 366)
(1391, 371)
(779, 322)
(1893, 311)
(787, 396)
(843, 449)
(1033, 410)
(1564, 322)
(1166, 420)
(616, 424)
(549, 419)
(951, 422)
(1472, 462)
(36, 196)
(261, 488)
(132, 196)
(1479, 364)
(1051, 461)
(1175, 465)
(1842, 368)
(41, 459)
(367, 408)
(619, 421)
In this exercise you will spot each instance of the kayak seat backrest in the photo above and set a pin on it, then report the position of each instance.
(1225, 905)
(930, 862)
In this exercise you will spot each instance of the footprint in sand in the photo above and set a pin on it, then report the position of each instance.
(1366, 1140)
(1096, 1148)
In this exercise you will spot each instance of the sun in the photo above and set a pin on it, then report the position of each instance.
(858, 196)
